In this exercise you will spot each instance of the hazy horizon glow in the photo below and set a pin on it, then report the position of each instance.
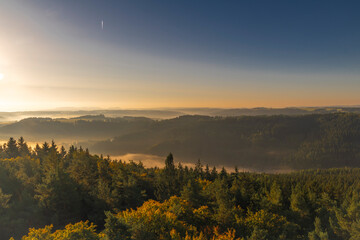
(133, 54)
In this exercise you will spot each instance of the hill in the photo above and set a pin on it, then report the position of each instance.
(256, 142)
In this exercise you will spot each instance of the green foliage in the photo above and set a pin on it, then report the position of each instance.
(52, 188)
(11, 149)
(115, 228)
(4, 200)
(318, 233)
(58, 196)
(275, 195)
(259, 234)
(192, 193)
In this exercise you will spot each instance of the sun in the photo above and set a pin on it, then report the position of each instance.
(1, 76)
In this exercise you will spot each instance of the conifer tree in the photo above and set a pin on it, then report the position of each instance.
(12, 150)
(23, 147)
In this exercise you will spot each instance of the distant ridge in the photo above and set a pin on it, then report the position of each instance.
(258, 142)
(167, 113)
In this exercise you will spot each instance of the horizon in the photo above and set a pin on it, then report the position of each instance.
(89, 109)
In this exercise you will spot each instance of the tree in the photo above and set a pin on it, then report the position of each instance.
(12, 150)
(318, 233)
(23, 147)
(115, 228)
(224, 211)
(155, 220)
(223, 173)
(275, 195)
(192, 193)
(59, 197)
(198, 169)
(298, 202)
(169, 165)
(207, 172)
(166, 184)
(259, 234)
(272, 223)
(77, 231)
(4, 200)
(214, 174)
(45, 148)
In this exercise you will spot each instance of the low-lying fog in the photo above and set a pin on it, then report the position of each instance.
(271, 143)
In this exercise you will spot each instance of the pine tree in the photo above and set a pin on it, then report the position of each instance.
(115, 229)
(318, 233)
(167, 185)
(298, 202)
(214, 174)
(192, 193)
(62, 152)
(223, 173)
(198, 169)
(45, 148)
(4, 200)
(275, 194)
(169, 165)
(207, 174)
(23, 147)
(12, 150)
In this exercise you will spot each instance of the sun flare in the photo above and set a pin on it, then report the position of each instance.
(1, 76)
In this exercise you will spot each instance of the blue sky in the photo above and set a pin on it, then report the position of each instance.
(257, 34)
(179, 53)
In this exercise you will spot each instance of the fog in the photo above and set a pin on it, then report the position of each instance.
(270, 143)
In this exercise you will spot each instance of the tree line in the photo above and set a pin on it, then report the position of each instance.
(254, 142)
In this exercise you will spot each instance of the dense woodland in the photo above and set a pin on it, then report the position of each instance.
(255, 142)
(72, 194)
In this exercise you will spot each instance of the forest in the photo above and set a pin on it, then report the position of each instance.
(50, 192)
(262, 143)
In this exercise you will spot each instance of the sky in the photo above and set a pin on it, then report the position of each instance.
(167, 54)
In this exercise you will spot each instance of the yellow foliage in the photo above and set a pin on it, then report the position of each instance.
(203, 213)
(228, 235)
(80, 230)
(160, 218)
(263, 220)
(204, 183)
(39, 234)
(175, 235)
(77, 231)
(199, 237)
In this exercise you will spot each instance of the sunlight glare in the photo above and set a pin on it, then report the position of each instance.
(1, 76)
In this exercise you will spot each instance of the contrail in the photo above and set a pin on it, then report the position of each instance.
(102, 24)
